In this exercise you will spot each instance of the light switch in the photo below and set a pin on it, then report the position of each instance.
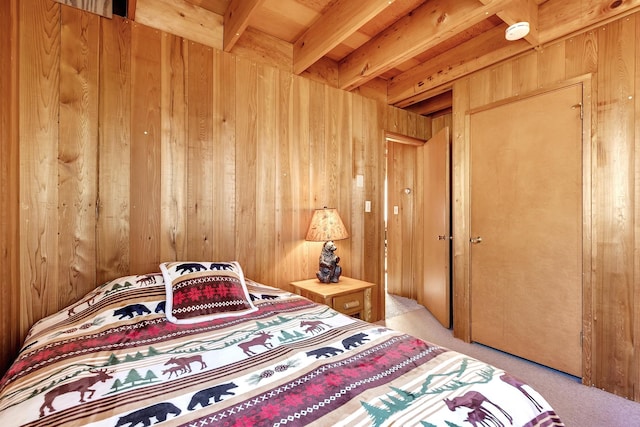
(367, 205)
(360, 181)
(396, 210)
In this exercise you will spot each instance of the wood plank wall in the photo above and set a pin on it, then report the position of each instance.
(128, 146)
(607, 57)
(10, 333)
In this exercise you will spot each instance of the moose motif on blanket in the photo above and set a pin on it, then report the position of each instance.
(82, 386)
(479, 415)
(313, 326)
(261, 339)
(183, 364)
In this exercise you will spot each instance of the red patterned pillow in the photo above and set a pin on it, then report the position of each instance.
(201, 291)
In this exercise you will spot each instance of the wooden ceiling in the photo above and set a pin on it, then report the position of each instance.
(411, 50)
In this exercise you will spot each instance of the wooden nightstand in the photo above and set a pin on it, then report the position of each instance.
(348, 296)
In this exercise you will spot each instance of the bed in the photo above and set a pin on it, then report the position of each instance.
(198, 344)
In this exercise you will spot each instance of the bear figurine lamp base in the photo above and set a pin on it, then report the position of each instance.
(327, 226)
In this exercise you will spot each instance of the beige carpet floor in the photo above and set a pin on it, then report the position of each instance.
(576, 404)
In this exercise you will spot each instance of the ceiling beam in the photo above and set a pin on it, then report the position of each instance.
(424, 28)
(131, 10)
(556, 20)
(438, 103)
(183, 19)
(482, 51)
(333, 27)
(99, 7)
(522, 11)
(560, 18)
(217, 6)
(236, 20)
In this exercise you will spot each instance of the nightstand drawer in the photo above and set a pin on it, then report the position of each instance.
(349, 303)
(349, 296)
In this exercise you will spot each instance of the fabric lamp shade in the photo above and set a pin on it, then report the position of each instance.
(326, 224)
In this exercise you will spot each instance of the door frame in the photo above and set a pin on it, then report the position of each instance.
(461, 209)
(403, 140)
(417, 252)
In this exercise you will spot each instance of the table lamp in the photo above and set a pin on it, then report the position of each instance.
(327, 226)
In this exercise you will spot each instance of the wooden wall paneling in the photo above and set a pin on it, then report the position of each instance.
(265, 178)
(460, 196)
(400, 234)
(410, 267)
(589, 146)
(287, 212)
(375, 123)
(9, 196)
(419, 202)
(480, 88)
(551, 64)
(614, 210)
(581, 54)
(440, 122)
(400, 166)
(173, 151)
(414, 128)
(114, 160)
(581, 58)
(39, 81)
(78, 153)
(201, 242)
(394, 121)
(525, 73)
(357, 230)
(501, 81)
(246, 143)
(304, 261)
(636, 204)
(224, 155)
(393, 224)
(319, 191)
(146, 77)
(340, 166)
(423, 129)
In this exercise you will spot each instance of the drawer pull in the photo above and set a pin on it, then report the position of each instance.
(351, 304)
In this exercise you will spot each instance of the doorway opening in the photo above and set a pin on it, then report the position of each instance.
(417, 225)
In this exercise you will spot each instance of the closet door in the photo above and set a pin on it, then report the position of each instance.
(526, 228)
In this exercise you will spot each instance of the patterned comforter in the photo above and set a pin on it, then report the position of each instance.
(112, 359)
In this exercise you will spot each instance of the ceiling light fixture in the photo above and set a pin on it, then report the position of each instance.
(517, 31)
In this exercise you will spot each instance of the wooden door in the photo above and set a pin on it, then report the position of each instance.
(434, 289)
(526, 207)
